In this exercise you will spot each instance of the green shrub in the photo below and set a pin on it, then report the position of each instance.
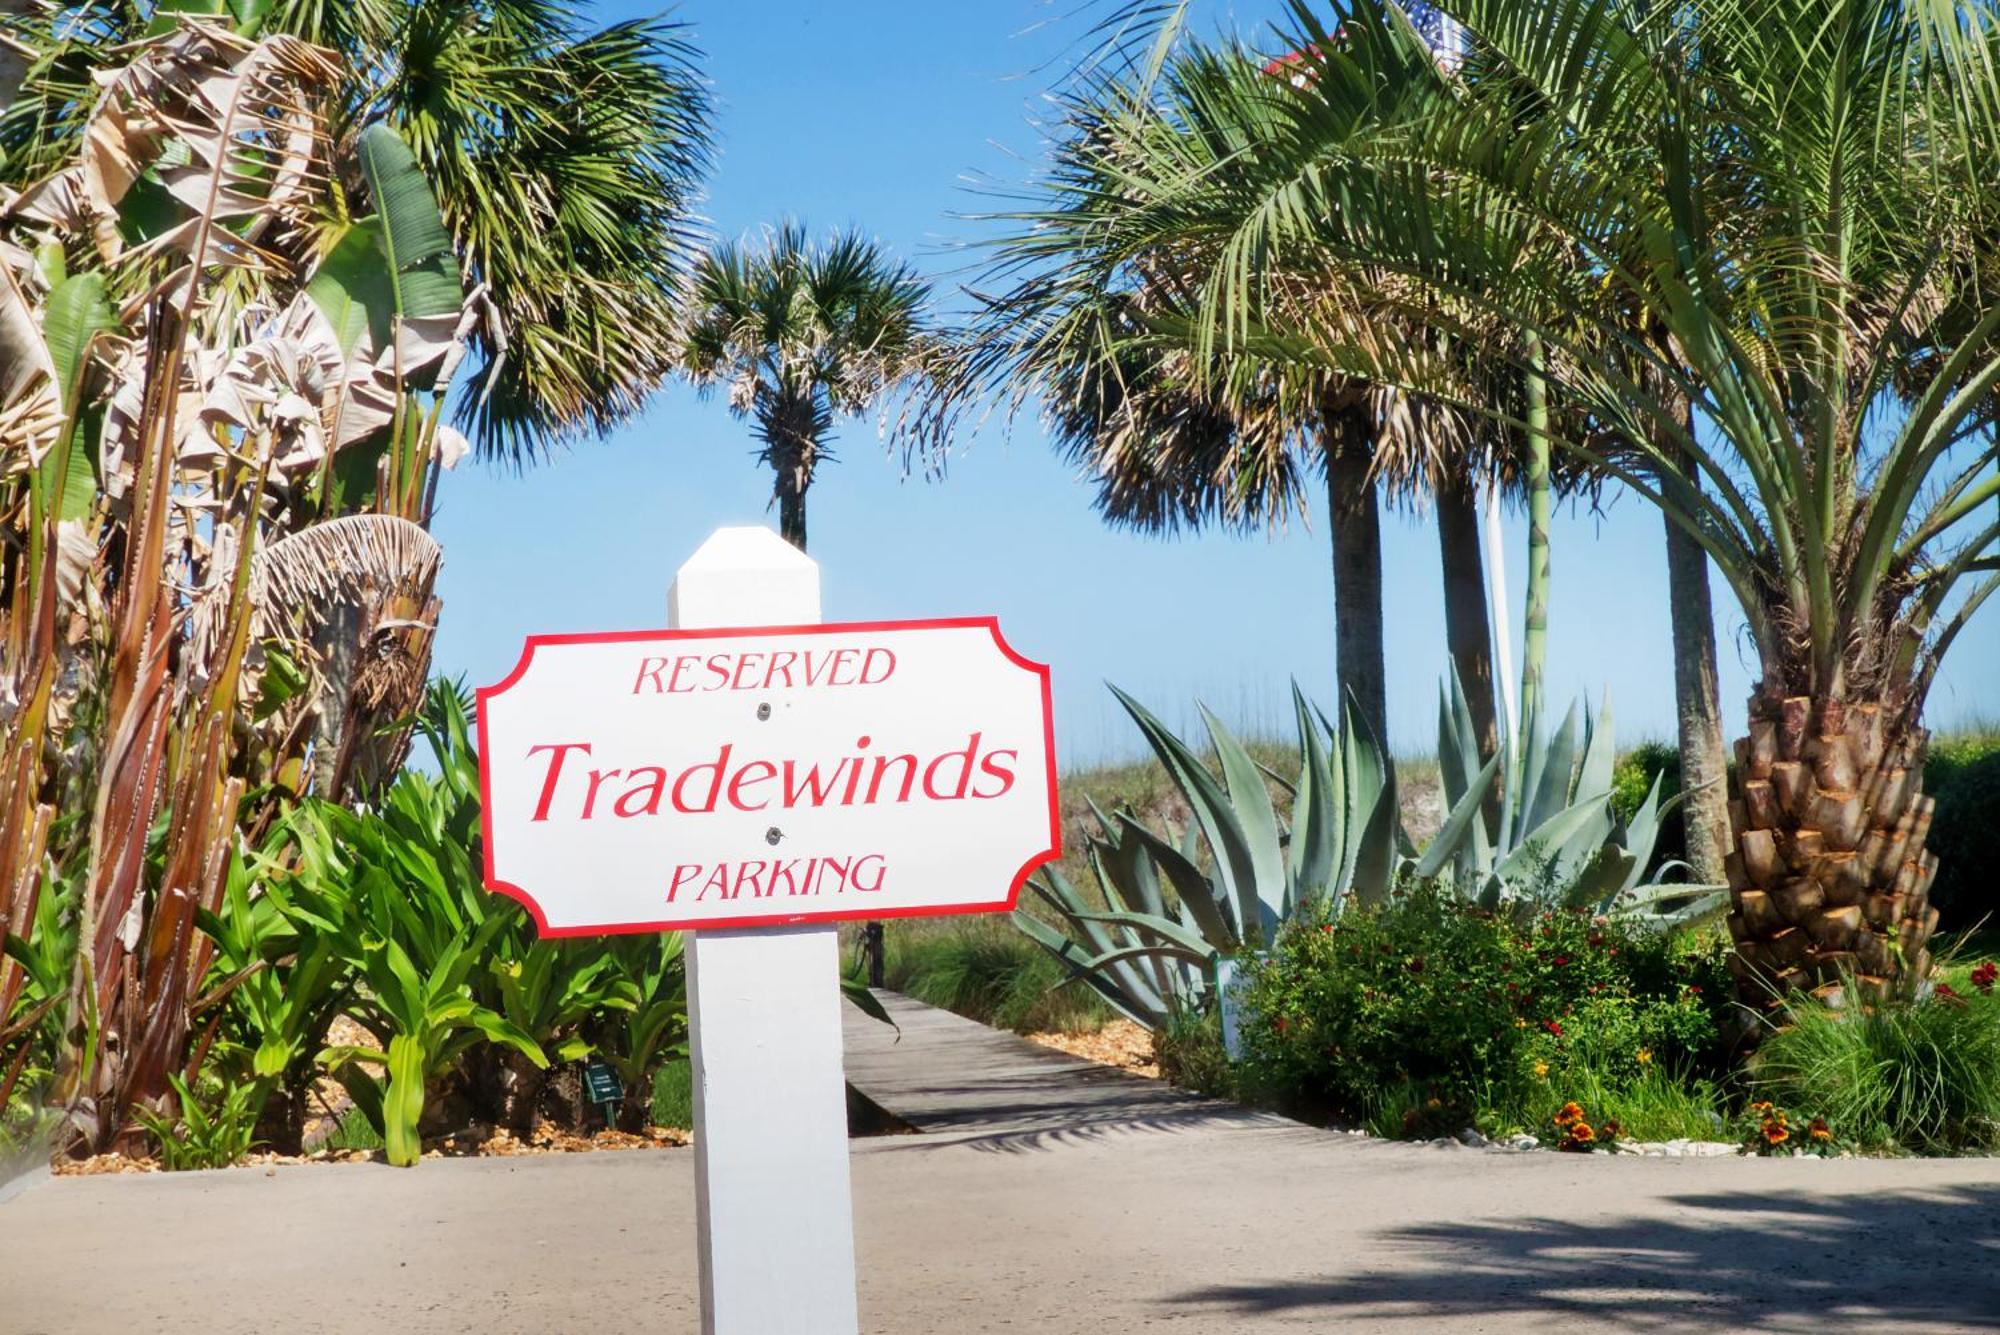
(212, 1129)
(673, 1095)
(1963, 774)
(1922, 1077)
(986, 971)
(1633, 779)
(353, 1132)
(1428, 1012)
(1190, 1052)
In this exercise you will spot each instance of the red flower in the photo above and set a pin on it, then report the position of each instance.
(1281, 1024)
(1984, 975)
(1554, 1027)
(1561, 961)
(1947, 994)
(1416, 965)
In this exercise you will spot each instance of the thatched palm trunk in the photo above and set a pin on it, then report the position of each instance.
(1829, 876)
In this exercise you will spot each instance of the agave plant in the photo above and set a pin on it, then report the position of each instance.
(1557, 840)
(1177, 906)
(1176, 909)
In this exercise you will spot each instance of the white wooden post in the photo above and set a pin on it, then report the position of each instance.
(775, 1206)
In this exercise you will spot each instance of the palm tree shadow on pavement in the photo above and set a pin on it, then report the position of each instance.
(1893, 1261)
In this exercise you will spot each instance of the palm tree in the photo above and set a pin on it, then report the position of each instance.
(1180, 432)
(803, 335)
(1799, 265)
(565, 160)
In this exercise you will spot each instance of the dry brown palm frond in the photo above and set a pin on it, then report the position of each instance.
(296, 580)
(30, 408)
(246, 114)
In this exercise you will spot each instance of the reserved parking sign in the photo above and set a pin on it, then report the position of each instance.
(735, 777)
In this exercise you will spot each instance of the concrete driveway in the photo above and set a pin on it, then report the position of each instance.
(1165, 1213)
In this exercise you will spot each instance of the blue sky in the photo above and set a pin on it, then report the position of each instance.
(878, 115)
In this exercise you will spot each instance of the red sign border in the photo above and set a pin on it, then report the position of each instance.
(520, 669)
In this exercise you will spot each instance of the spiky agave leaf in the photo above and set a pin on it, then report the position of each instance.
(1344, 840)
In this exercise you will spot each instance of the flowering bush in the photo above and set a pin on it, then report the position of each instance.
(1576, 1134)
(1428, 998)
(1768, 1129)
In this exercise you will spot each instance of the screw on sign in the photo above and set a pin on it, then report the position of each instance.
(755, 777)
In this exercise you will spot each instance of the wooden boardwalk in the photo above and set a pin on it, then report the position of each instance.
(948, 1076)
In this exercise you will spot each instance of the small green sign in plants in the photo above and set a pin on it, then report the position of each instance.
(601, 1084)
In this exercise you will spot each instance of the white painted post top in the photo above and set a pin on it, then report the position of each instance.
(745, 576)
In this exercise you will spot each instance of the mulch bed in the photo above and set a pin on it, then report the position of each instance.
(1120, 1043)
(464, 1145)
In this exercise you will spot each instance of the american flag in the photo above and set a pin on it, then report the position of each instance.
(1440, 33)
(1428, 22)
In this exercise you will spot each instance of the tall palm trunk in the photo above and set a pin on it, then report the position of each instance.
(791, 448)
(1697, 708)
(1355, 517)
(1541, 512)
(1466, 630)
(791, 491)
(1829, 876)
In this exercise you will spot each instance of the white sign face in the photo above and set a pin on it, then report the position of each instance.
(759, 776)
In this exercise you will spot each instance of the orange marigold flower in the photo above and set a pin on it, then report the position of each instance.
(1612, 1130)
(1819, 1130)
(1582, 1134)
(1775, 1133)
(1569, 1114)
(1761, 1106)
